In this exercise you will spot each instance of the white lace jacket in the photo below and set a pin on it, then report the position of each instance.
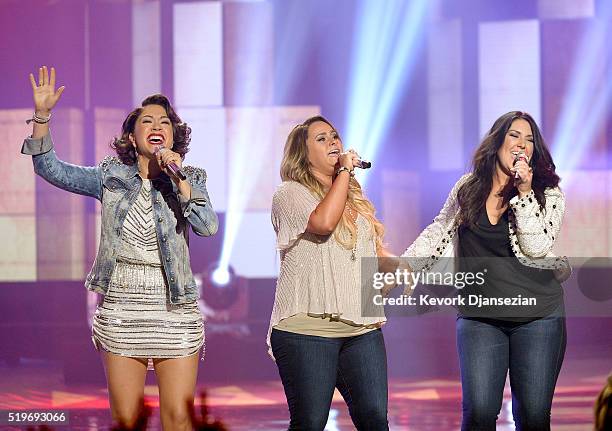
(532, 234)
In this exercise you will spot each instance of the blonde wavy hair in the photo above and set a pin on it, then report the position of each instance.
(296, 167)
(603, 407)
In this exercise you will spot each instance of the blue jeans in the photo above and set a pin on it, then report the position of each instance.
(533, 352)
(311, 367)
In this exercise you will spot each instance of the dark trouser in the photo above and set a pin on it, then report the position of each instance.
(311, 367)
(533, 352)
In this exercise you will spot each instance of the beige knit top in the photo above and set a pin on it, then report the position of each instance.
(317, 275)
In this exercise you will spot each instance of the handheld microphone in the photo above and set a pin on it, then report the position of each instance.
(172, 167)
(363, 164)
(519, 155)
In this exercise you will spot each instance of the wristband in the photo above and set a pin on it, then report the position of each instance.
(38, 119)
(344, 168)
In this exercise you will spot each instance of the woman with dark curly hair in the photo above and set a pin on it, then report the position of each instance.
(502, 221)
(149, 312)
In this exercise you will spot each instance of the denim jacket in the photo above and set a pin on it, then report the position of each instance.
(116, 185)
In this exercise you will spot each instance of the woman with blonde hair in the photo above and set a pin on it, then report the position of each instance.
(603, 407)
(322, 335)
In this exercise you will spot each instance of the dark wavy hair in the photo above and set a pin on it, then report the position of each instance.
(472, 195)
(181, 131)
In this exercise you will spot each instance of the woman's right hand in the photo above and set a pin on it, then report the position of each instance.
(45, 95)
(348, 159)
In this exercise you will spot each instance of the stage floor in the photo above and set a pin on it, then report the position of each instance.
(415, 404)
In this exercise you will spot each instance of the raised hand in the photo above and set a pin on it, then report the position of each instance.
(45, 94)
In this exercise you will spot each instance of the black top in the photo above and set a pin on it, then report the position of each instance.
(486, 247)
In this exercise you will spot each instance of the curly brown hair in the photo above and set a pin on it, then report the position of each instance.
(181, 131)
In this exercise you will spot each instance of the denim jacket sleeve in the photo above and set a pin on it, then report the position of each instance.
(73, 178)
(198, 210)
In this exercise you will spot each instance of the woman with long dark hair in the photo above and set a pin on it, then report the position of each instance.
(322, 334)
(503, 220)
(149, 311)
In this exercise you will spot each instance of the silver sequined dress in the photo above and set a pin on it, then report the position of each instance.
(136, 318)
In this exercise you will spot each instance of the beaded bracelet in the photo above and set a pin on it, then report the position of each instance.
(38, 119)
(344, 168)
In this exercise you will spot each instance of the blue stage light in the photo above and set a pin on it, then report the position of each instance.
(387, 45)
(584, 108)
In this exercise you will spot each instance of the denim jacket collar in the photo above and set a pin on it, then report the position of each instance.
(130, 172)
